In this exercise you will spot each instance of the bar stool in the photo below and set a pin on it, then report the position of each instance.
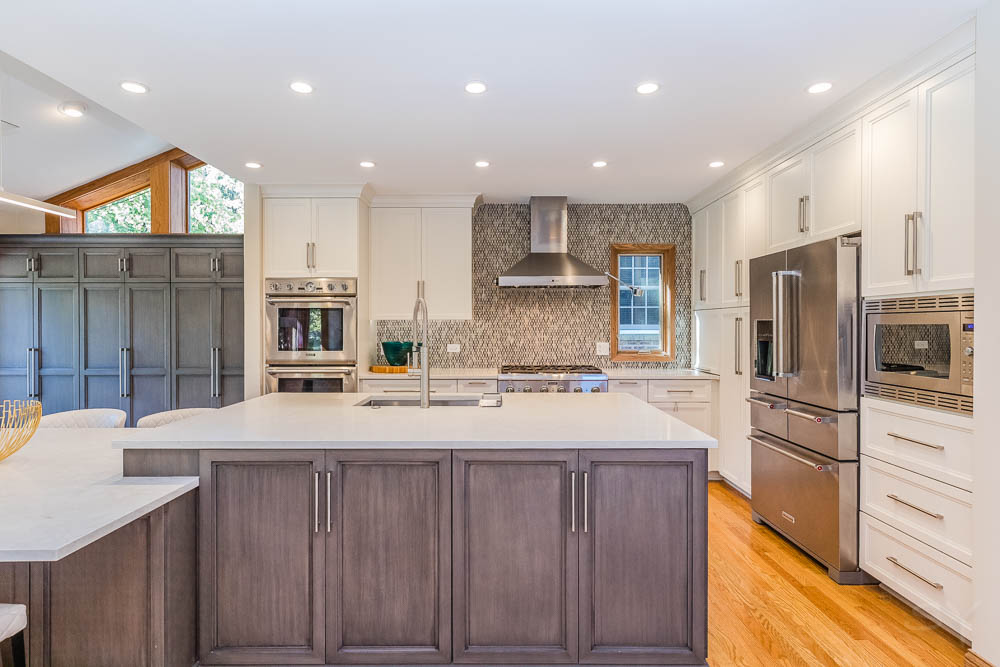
(13, 621)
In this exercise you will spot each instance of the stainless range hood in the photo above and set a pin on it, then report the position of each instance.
(549, 263)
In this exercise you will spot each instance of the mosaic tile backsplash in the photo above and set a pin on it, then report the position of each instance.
(539, 325)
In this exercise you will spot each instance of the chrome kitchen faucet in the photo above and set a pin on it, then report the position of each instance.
(420, 354)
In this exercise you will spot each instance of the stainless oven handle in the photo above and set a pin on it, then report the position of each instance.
(312, 370)
(819, 419)
(812, 464)
(916, 442)
(305, 298)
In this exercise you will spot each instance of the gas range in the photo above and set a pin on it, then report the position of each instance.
(555, 378)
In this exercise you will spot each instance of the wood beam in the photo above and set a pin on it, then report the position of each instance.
(168, 197)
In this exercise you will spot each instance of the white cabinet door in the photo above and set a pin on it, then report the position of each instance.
(698, 415)
(286, 238)
(446, 249)
(733, 240)
(836, 184)
(734, 412)
(786, 185)
(335, 235)
(395, 261)
(707, 329)
(945, 178)
(716, 225)
(699, 259)
(888, 194)
(755, 214)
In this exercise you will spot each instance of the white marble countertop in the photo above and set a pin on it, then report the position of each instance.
(64, 489)
(491, 374)
(332, 421)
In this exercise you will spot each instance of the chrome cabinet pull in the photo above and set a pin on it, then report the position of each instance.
(932, 584)
(126, 375)
(308, 264)
(586, 518)
(680, 391)
(629, 382)
(801, 229)
(736, 343)
(701, 285)
(910, 266)
(27, 373)
(572, 501)
(316, 502)
(819, 467)
(916, 442)
(476, 382)
(893, 496)
(27, 264)
(916, 257)
(805, 213)
(329, 513)
(121, 372)
(819, 419)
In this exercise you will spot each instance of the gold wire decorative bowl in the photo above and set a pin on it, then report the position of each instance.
(18, 422)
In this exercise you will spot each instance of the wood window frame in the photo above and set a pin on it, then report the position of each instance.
(668, 274)
(166, 177)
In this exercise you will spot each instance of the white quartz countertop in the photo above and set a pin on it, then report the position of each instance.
(64, 489)
(492, 373)
(332, 421)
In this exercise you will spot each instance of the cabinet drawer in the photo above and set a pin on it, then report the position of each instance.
(936, 583)
(407, 386)
(935, 444)
(637, 388)
(477, 386)
(932, 512)
(680, 391)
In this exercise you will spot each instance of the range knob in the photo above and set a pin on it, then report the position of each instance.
(288, 286)
(310, 286)
(329, 287)
(578, 390)
(560, 389)
(544, 389)
(527, 390)
(595, 390)
(343, 286)
(509, 390)
(273, 287)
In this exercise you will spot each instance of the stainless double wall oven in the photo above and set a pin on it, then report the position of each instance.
(311, 335)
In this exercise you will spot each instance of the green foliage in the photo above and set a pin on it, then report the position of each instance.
(128, 215)
(216, 202)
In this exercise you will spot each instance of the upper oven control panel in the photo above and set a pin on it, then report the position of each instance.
(968, 350)
(306, 286)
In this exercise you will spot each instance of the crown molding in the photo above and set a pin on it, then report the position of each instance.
(947, 51)
(362, 191)
(460, 200)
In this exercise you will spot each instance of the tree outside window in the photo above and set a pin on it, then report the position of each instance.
(128, 215)
(215, 202)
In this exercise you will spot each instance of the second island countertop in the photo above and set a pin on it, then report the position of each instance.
(332, 421)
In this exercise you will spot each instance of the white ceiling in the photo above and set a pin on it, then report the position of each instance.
(389, 79)
(47, 152)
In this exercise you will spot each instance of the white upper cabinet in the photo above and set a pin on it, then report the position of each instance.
(835, 201)
(734, 244)
(429, 244)
(699, 259)
(707, 234)
(310, 237)
(788, 188)
(755, 207)
(917, 188)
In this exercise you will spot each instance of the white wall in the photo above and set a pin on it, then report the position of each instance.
(253, 288)
(19, 220)
(986, 508)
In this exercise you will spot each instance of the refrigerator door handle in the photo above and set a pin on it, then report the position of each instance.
(785, 304)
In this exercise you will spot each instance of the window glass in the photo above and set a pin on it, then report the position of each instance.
(215, 202)
(640, 327)
(128, 215)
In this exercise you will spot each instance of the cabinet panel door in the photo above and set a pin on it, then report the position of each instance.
(230, 263)
(192, 264)
(643, 557)
(786, 183)
(147, 264)
(716, 232)
(389, 557)
(946, 178)
(836, 184)
(287, 234)
(261, 558)
(733, 253)
(192, 341)
(14, 264)
(101, 265)
(755, 206)
(515, 556)
(57, 312)
(335, 233)
(889, 192)
(446, 247)
(733, 409)
(57, 264)
(699, 258)
(228, 314)
(147, 326)
(16, 334)
(395, 234)
(707, 327)
(102, 335)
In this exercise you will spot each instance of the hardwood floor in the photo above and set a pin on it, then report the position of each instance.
(770, 604)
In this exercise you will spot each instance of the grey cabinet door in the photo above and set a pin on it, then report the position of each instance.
(643, 557)
(192, 341)
(192, 264)
(228, 341)
(514, 556)
(388, 556)
(101, 264)
(147, 349)
(16, 340)
(102, 337)
(147, 264)
(14, 264)
(261, 558)
(57, 264)
(56, 341)
(229, 262)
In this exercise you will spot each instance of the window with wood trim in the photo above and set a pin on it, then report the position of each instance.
(215, 202)
(130, 214)
(642, 302)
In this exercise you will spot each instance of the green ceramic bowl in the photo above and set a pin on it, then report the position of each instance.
(395, 352)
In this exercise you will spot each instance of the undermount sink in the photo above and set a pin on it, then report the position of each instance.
(436, 401)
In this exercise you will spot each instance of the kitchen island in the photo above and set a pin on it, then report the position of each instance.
(554, 529)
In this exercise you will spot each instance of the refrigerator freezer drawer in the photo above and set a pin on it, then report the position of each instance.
(767, 413)
(811, 499)
(833, 434)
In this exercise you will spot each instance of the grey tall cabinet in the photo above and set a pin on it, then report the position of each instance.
(108, 321)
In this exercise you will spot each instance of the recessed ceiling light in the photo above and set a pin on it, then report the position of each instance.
(482, 163)
(820, 87)
(600, 163)
(253, 165)
(647, 88)
(367, 164)
(73, 109)
(134, 87)
(475, 87)
(301, 87)
(716, 164)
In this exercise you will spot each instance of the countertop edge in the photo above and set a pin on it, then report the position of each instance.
(430, 444)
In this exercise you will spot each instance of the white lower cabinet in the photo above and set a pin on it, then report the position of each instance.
(477, 386)
(638, 388)
(698, 415)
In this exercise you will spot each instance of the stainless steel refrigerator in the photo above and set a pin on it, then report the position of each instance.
(805, 319)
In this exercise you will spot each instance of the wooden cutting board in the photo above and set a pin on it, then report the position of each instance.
(388, 369)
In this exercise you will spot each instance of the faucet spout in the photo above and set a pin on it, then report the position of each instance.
(419, 354)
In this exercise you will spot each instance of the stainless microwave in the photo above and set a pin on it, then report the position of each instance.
(924, 344)
(311, 321)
